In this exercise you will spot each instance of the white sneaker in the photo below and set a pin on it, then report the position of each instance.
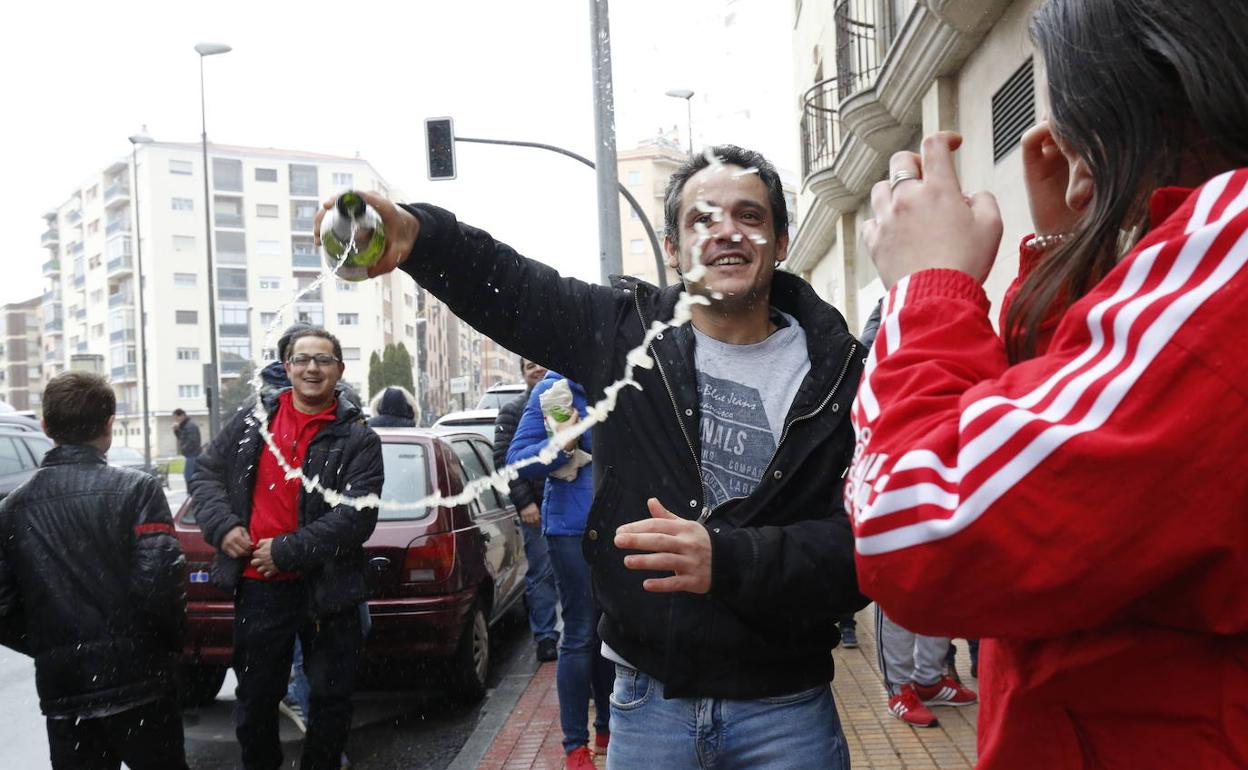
(292, 710)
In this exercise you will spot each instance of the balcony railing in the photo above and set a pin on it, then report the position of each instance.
(302, 223)
(53, 355)
(51, 267)
(232, 366)
(116, 191)
(117, 226)
(127, 372)
(74, 249)
(121, 335)
(124, 407)
(224, 219)
(859, 40)
(120, 299)
(50, 238)
(232, 293)
(234, 330)
(79, 281)
(54, 325)
(79, 313)
(120, 264)
(311, 261)
(50, 297)
(74, 217)
(821, 126)
(81, 347)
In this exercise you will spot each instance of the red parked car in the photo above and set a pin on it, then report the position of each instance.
(441, 577)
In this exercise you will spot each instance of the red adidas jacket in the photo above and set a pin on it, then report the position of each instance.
(1085, 511)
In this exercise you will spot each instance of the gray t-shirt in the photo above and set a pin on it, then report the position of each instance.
(745, 393)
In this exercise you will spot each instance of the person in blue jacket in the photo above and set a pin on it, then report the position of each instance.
(565, 506)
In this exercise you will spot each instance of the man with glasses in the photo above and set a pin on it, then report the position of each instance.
(294, 563)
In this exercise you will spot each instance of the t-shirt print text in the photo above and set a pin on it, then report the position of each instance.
(737, 441)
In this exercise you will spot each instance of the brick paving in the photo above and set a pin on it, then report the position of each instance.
(530, 739)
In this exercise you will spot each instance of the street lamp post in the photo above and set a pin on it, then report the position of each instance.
(211, 373)
(135, 141)
(687, 95)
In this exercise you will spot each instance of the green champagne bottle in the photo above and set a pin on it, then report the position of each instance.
(352, 237)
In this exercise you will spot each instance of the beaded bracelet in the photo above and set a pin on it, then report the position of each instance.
(1045, 242)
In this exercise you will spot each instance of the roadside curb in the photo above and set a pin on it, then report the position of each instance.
(496, 709)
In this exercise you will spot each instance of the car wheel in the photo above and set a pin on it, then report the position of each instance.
(200, 685)
(471, 664)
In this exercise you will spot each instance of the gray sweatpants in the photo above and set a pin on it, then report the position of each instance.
(906, 656)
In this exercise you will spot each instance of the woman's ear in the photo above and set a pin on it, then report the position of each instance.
(1079, 187)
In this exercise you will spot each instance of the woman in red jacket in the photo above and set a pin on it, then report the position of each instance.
(1073, 490)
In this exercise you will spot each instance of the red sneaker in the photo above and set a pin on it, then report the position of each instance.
(579, 759)
(907, 707)
(600, 743)
(946, 692)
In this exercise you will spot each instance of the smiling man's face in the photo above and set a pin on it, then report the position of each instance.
(741, 251)
(313, 382)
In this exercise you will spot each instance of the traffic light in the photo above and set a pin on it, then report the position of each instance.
(440, 142)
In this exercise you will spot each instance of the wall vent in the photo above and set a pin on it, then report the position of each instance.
(1013, 111)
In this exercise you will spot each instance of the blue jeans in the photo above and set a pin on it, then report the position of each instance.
(789, 731)
(539, 585)
(581, 668)
(188, 469)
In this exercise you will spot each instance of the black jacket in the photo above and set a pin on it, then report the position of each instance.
(523, 491)
(189, 442)
(393, 411)
(783, 557)
(328, 546)
(92, 583)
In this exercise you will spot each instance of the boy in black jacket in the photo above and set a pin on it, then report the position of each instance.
(91, 586)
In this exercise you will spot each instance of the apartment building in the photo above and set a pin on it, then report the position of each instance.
(21, 354)
(875, 76)
(261, 207)
(644, 171)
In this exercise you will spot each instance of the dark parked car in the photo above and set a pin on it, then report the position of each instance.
(21, 451)
(441, 577)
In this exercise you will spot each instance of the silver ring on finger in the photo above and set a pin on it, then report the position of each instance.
(900, 176)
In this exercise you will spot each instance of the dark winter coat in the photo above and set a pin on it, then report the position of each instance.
(523, 491)
(394, 411)
(327, 548)
(565, 504)
(92, 583)
(189, 442)
(783, 557)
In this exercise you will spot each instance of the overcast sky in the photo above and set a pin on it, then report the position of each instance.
(361, 77)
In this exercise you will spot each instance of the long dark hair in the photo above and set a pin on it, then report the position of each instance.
(1137, 88)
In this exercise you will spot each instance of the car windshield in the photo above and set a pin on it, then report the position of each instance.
(124, 454)
(497, 399)
(407, 479)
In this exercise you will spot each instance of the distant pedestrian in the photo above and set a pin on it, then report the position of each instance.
(92, 586)
(913, 667)
(394, 407)
(540, 593)
(190, 445)
(582, 671)
(294, 563)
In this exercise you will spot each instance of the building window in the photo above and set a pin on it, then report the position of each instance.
(97, 296)
(635, 246)
(227, 211)
(185, 280)
(266, 175)
(267, 319)
(93, 227)
(182, 204)
(190, 317)
(97, 330)
(303, 214)
(270, 249)
(188, 354)
(350, 354)
(266, 210)
(303, 180)
(343, 180)
(270, 283)
(409, 330)
(231, 283)
(227, 174)
(189, 391)
(346, 286)
(183, 243)
(310, 315)
(232, 315)
(348, 319)
(180, 167)
(409, 300)
(634, 177)
(231, 247)
(93, 192)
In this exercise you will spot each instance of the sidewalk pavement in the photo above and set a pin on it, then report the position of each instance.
(530, 738)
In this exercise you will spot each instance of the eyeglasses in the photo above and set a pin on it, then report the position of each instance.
(301, 360)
